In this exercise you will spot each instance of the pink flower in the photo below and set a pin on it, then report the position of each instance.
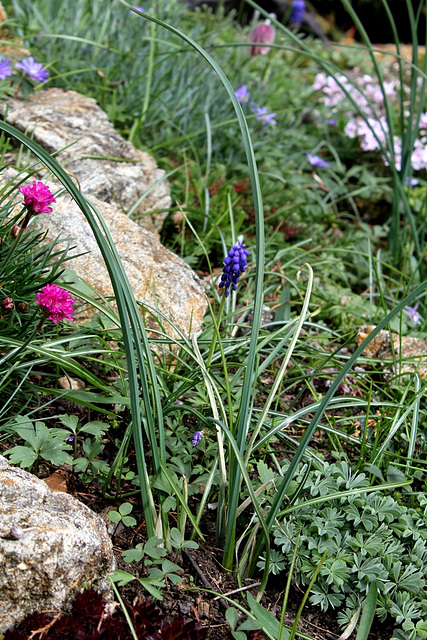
(56, 303)
(37, 198)
(264, 34)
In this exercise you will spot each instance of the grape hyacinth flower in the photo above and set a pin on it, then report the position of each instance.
(33, 69)
(5, 69)
(37, 198)
(297, 13)
(263, 116)
(197, 436)
(264, 34)
(55, 303)
(317, 161)
(242, 94)
(413, 314)
(234, 265)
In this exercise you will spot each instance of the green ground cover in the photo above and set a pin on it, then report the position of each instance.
(314, 453)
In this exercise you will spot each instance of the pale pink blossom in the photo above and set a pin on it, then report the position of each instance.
(264, 34)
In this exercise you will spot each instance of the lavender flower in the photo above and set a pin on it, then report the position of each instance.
(5, 69)
(297, 13)
(317, 161)
(197, 436)
(234, 265)
(242, 94)
(413, 314)
(33, 69)
(411, 182)
(263, 116)
(262, 34)
(138, 8)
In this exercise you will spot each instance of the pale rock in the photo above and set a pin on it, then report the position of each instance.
(67, 122)
(159, 279)
(51, 545)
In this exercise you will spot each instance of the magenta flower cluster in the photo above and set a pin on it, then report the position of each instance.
(235, 264)
(37, 197)
(372, 133)
(55, 303)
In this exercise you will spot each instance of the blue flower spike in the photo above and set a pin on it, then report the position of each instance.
(234, 265)
(197, 436)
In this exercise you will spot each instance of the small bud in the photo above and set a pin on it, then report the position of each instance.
(22, 306)
(264, 34)
(16, 230)
(16, 532)
(8, 304)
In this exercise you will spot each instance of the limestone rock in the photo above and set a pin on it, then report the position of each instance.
(56, 546)
(105, 165)
(157, 277)
(408, 355)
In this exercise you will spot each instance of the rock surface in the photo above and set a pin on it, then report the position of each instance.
(408, 355)
(57, 545)
(159, 279)
(105, 165)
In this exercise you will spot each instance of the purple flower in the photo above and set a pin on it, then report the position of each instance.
(56, 303)
(37, 198)
(138, 8)
(317, 161)
(413, 314)
(197, 436)
(297, 13)
(234, 265)
(242, 94)
(411, 182)
(262, 34)
(263, 116)
(69, 439)
(33, 69)
(5, 69)
(331, 122)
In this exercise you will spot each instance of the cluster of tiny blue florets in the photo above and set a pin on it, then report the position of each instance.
(234, 265)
